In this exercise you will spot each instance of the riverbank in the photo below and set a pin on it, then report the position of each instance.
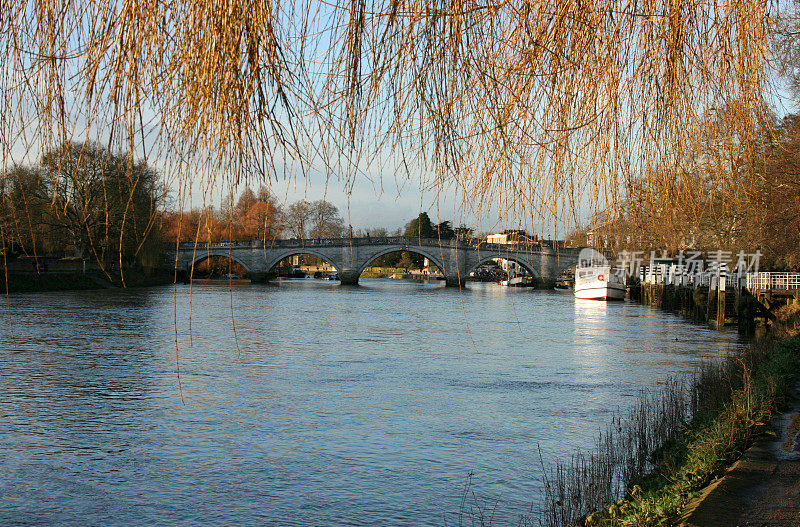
(762, 488)
(29, 282)
(652, 465)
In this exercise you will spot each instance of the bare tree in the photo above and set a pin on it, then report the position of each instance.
(103, 205)
(314, 219)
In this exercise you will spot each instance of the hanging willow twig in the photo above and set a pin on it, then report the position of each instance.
(532, 106)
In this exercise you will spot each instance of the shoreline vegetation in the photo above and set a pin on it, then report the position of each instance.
(32, 282)
(678, 439)
(71, 280)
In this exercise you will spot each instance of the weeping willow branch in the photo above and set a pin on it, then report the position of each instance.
(531, 106)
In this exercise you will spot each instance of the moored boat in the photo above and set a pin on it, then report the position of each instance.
(517, 281)
(599, 283)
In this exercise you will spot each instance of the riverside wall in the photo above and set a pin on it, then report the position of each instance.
(737, 307)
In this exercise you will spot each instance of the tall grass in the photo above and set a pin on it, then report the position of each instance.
(672, 442)
(587, 482)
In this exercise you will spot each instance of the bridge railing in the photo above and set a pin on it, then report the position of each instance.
(734, 280)
(772, 280)
(316, 242)
(500, 249)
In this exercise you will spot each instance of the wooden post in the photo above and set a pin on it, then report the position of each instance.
(721, 302)
(710, 299)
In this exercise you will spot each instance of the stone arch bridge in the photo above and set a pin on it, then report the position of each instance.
(350, 256)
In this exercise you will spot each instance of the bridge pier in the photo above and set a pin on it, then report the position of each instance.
(453, 282)
(349, 277)
(546, 283)
(261, 277)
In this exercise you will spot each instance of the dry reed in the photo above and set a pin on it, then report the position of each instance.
(643, 444)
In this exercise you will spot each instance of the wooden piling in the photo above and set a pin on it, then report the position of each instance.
(720, 302)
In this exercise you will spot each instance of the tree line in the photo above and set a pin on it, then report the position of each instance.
(85, 201)
(740, 197)
(255, 215)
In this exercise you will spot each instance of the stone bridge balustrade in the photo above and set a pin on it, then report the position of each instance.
(350, 256)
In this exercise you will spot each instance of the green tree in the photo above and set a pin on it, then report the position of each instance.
(388, 260)
(444, 231)
(463, 232)
(420, 227)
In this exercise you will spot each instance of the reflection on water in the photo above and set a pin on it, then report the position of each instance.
(589, 331)
(335, 405)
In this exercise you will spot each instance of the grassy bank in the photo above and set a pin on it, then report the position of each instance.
(33, 282)
(652, 461)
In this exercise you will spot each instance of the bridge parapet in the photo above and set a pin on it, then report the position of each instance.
(318, 242)
(366, 240)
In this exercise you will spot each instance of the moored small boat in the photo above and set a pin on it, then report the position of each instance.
(599, 283)
(517, 281)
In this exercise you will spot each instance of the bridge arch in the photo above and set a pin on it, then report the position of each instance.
(511, 258)
(299, 251)
(351, 256)
(405, 248)
(205, 255)
(565, 265)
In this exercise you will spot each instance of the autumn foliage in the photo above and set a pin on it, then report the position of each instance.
(254, 216)
(727, 197)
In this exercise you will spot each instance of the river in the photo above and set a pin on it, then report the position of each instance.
(308, 403)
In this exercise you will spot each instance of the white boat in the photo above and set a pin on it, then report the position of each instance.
(598, 283)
